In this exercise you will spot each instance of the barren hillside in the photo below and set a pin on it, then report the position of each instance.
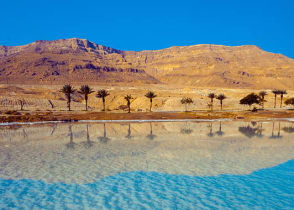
(81, 61)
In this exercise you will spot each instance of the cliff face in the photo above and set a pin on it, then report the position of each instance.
(82, 61)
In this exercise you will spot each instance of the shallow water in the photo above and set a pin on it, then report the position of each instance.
(153, 165)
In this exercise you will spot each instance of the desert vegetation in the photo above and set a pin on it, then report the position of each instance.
(68, 90)
(221, 97)
(262, 95)
(186, 101)
(78, 98)
(211, 96)
(251, 99)
(102, 94)
(150, 95)
(86, 91)
(129, 99)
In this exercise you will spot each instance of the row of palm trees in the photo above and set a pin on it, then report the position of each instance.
(85, 90)
(252, 98)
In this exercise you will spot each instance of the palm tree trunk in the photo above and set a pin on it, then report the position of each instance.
(212, 104)
(129, 106)
(150, 104)
(103, 100)
(86, 103)
(275, 100)
(68, 102)
(221, 104)
(281, 100)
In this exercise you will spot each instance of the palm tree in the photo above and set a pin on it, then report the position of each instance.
(262, 94)
(221, 97)
(150, 95)
(282, 93)
(186, 101)
(86, 91)
(276, 92)
(211, 96)
(128, 98)
(102, 94)
(68, 90)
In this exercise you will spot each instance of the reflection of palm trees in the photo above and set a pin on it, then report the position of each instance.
(288, 129)
(104, 138)
(54, 128)
(220, 132)
(71, 144)
(254, 123)
(210, 134)
(88, 143)
(249, 131)
(151, 136)
(186, 129)
(25, 135)
(129, 136)
(278, 136)
(259, 131)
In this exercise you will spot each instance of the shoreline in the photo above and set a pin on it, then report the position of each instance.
(83, 116)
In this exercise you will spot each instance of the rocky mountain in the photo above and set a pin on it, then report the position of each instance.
(81, 61)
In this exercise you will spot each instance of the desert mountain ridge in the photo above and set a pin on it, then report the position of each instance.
(80, 61)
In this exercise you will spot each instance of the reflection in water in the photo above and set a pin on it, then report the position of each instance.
(210, 134)
(151, 136)
(104, 138)
(186, 129)
(88, 143)
(288, 129)
(25, 135)
(53, 129)
(278, 135)
(234, 151)
(71, 144)
(220, 132)
(260, 130)
(129, 136)
(250, 132)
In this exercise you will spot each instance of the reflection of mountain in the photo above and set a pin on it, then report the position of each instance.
(232, 153)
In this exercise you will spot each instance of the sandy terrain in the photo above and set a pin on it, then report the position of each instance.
(37, 105)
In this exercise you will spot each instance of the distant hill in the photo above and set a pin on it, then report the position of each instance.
(81, 61)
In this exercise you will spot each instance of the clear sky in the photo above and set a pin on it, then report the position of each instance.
(140, 25)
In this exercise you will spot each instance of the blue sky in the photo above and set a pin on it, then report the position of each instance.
(140, 25)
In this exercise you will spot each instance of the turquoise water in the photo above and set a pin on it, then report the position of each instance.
(265, 189)
(223, 181)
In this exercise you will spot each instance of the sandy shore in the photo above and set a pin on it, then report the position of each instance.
(34, 116)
